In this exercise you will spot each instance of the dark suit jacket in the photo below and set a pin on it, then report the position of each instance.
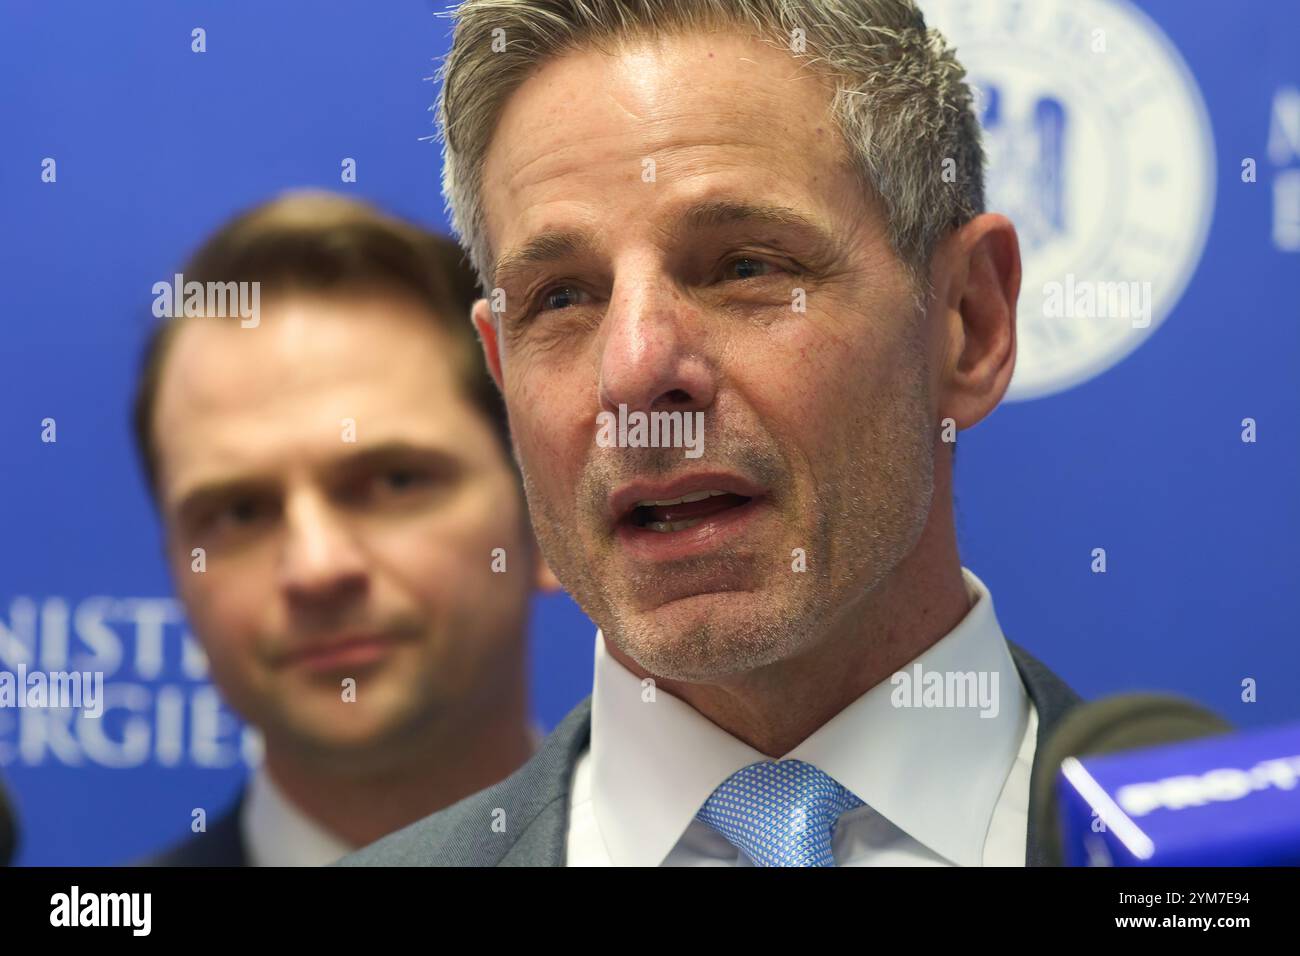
(535, 798)
(221, 845)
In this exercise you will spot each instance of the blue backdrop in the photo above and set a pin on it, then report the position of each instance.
(1119, 135)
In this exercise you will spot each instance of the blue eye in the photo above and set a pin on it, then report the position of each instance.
(560, 293)
(750, 268)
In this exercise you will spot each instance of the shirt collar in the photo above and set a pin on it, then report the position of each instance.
(276, 833)
(655, 759)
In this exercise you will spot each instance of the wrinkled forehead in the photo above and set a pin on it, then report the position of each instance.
(639, 136)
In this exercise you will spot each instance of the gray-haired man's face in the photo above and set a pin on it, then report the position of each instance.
(676, 231)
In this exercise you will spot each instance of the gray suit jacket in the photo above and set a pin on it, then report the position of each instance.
(535, 799)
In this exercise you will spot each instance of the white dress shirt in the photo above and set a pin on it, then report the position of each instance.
(941, 785)
(277, 833)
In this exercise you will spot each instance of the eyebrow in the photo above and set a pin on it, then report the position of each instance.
(713, 214)
(559, 245)
(204, 495)
(390, 451)
(209, 492)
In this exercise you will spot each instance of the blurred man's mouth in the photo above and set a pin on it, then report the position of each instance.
(664, 520)
(341, 653)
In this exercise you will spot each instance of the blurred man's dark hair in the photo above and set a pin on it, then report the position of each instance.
(317, 242)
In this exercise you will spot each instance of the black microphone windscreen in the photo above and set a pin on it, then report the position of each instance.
(1110, 725)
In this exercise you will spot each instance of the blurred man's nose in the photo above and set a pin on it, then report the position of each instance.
(322, 561)
(654, 356)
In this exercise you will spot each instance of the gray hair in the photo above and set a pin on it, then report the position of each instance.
(901, 102)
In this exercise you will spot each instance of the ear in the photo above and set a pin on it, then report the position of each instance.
(975, 276)
(485, 323)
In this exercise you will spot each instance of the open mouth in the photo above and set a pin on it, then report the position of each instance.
(679, 514)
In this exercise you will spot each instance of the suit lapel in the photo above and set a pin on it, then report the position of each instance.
(541, 794)
(1052, 699)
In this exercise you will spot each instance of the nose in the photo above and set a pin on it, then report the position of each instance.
(653, 356)
(322, 562)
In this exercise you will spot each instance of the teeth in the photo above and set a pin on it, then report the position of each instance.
(672, 525)
(684, 499)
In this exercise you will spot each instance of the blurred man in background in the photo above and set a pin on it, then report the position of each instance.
(345, 526)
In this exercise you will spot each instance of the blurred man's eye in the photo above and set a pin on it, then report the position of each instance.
(403, 479)
(243, 512)
(237, 517)
(388, 486)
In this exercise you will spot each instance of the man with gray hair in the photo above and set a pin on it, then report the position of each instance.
(770, 213)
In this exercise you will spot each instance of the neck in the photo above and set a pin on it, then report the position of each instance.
(777, 707)
(442, 767)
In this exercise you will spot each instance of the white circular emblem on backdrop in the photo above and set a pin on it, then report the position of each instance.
(1100, 151)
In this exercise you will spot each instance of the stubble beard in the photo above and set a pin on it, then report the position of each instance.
(863, 528)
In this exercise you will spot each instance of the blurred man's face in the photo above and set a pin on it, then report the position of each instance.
(348, 499)
(818, 423)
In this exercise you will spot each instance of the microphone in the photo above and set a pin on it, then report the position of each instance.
(1111, 725)
(8, 829)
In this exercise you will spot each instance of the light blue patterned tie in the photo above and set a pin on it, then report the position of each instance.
(779, 812)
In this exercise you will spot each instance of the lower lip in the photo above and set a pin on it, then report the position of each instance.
(359, 654)
(710, 534)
